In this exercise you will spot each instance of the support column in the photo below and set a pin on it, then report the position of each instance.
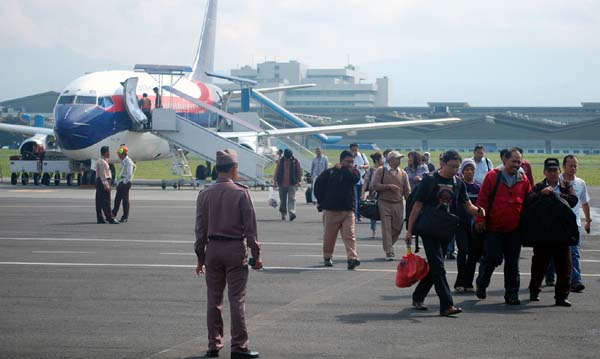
(245, 99)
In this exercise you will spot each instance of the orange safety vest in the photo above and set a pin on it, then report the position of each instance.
(146, 104)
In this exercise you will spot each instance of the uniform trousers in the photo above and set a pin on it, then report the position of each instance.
(542, 256)
(122, 195)
(226, 264)
(343, 222)
(434, 250)
(392, 217)
(287, 199)
(102, 202)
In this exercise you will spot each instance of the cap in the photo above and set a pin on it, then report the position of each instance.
(394, 154)
(225, 157)
(551, 163)
(467, 162)
(123, 150)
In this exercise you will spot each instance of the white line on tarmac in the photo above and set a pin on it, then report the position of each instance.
(141, 265)
(63, 252)
(305, 255)
(590, 260)
(178, 254)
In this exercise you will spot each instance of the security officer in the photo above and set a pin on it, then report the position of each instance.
(225, 227)
(124, 185)
(103, 181)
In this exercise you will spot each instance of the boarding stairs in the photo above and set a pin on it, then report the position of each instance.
(187, 135)
(180, 165)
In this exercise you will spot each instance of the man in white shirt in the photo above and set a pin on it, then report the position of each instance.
(103, 181)
(570, 164)
(124, 185)
(319, 164)
(482, 164)
(361, 163)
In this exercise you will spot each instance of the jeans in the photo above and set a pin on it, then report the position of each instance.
(475, 253)
(499, 246)
(576, 266)
(287, 198)
(434, 249)
(373, 225)
(357, 190)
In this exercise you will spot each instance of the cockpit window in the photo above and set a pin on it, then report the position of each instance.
(64, 100)
(86, 100)
(105, 102)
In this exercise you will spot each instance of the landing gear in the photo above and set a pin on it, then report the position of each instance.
(14, 178)
(24, 178)
(36, 179)
(69, 180)
(56, 179)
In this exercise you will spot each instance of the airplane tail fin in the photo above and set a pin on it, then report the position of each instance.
(205, 57)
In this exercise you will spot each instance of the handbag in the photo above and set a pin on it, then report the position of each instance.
(369, 208)
(411, 269)
(437, 221)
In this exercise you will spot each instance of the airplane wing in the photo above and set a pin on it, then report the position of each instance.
(26, 130)
(338, 128)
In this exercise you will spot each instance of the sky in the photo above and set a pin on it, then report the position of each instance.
(487, 53)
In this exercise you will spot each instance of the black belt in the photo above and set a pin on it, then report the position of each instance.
(221, 238)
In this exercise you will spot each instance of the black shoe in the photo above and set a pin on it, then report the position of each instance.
(283, 216)
(450, 311)
(328, 262)
(212, 353)
(577, 287)
(292, 216)
(534, 297)
(480, 293)
(512, 301)
(101, 222)
(450, 256)
(419, 305)
(563, 303)
(550, 282)
(123, 220)
(114, 221)
(353, 263)
(245, 355)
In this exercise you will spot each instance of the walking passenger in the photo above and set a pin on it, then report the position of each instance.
(319, 164)
(124, 185)
(483, 165)
(368, 192)
(361, 163)
(225, 228)
(502, 240)
(415, 169)
(334, 189)
(443, 188)
(393, 188)
(557, 248)
(570, 166)
(287, 180)
(469, 245)
(425, 160)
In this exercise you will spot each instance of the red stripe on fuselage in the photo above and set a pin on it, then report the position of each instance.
(176, 103)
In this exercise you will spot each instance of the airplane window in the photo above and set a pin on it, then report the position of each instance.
(105, 102)
(63, 100)
(86, 100)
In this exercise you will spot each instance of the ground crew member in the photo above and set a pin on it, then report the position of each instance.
(225, 227)
(103, 181)
(124, 185)
(146, 106)
(157, 98)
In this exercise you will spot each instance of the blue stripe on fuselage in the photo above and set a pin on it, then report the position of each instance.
(81, 126)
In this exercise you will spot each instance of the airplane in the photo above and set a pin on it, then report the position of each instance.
(91, 111)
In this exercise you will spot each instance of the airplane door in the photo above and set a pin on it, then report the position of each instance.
(131, 102)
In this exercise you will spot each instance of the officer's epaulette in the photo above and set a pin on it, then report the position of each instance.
(241, 185)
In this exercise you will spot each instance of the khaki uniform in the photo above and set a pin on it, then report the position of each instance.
(103, 180)
(225, 227)
(391, 204)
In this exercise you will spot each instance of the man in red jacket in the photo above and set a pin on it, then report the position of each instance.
(503, 202)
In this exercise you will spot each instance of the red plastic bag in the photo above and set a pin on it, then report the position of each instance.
(411, 269)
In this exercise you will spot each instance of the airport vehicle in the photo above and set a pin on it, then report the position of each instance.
(101, 109)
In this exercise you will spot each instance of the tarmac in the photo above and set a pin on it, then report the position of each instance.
(71, 288)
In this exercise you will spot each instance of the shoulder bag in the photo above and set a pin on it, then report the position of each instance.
(369, 208)
(436, 220)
